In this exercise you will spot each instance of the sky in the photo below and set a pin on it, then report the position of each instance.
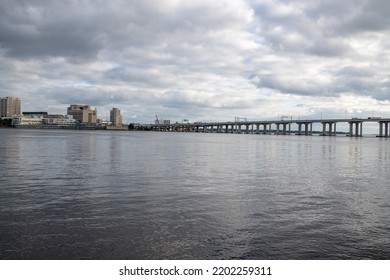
(198, 60)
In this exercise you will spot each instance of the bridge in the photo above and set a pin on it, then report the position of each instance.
(279, 127)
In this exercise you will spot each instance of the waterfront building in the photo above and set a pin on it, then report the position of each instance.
(116, 117)
(28, 121)
(62, 121)
(9, 106)
(39, 121)
(83, 113)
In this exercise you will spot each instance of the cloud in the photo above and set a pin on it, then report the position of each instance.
(204, 59)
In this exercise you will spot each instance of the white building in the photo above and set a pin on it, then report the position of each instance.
(39, 121)
(68, 120)
(27, 121)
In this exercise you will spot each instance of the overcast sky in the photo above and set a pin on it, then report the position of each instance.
(199, 60)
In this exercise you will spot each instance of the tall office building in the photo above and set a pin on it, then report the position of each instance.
(116, 117)
(83, 113)
(9, 106)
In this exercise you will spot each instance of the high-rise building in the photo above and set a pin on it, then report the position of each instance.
(116, 117)
(9, 106)
(83, 113)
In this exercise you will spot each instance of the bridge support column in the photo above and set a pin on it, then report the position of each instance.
(358, 129)
(277, 129)
(284, 129)
(266, 130)
(299, 129)
(308, 128)
(383, 129)
(331, 131)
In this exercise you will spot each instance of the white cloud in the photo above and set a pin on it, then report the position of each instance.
(198, 59)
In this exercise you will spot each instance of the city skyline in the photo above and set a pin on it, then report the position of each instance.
(202, 61)
(10, 108)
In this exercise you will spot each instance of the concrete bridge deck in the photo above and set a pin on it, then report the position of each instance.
(279, 127)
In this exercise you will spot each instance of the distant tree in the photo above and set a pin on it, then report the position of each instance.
(6, 123)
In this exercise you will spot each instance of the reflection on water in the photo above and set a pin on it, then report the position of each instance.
(135, 195)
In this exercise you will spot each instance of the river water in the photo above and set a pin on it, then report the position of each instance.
(160, 195)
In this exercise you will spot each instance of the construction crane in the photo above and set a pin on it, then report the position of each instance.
(157, 120)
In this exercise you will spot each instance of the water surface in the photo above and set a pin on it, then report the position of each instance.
(160, 195)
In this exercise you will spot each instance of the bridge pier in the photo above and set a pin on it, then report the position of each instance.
(307, 131)
(286, 128)
(383, 132)
(265, 125)
(308, 128)
(277, 128)
(331, 131)
(358, 129)
(238, 128)
(264, 130)
(247, 128)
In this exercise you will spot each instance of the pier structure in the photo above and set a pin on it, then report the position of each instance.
(266, 128)
(278, 127)
(308, 126)
(358, 128)
(384, 128)
(331, 128)
(283, 127)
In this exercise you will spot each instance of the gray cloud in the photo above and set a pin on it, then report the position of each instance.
(188, 57)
